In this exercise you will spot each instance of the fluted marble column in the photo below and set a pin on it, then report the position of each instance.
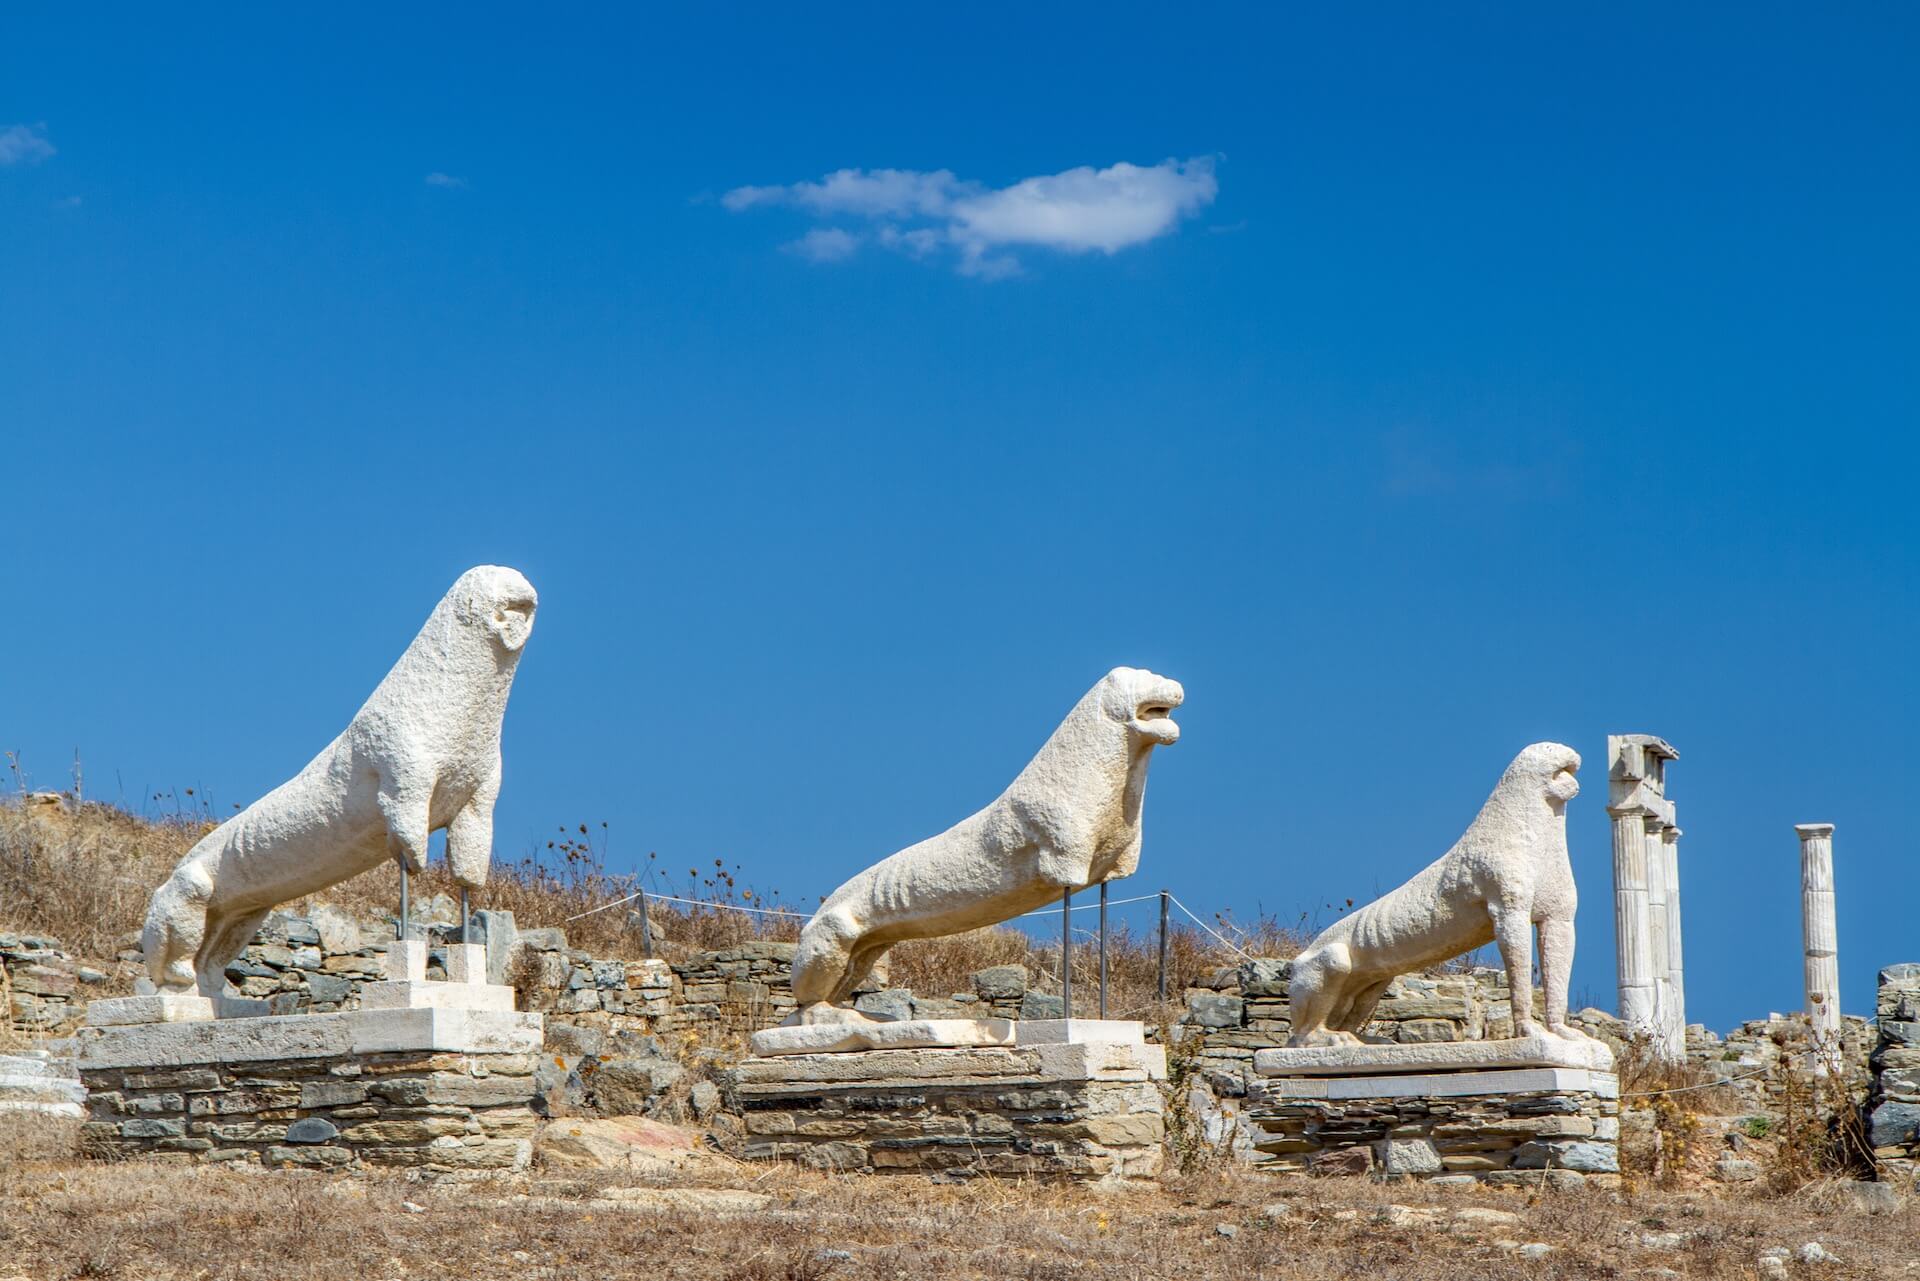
(1676, 969)
(1633, 947)
(1821, 935)
(1645, 890)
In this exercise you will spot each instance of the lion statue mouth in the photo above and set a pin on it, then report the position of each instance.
(1154, 698)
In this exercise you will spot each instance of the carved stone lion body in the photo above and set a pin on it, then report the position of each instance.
(423, 753)
(1071, 819)
(1507, 874)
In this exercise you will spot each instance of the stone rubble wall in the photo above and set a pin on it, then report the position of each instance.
(1893, 1117)
(1243, 1008)
(1495, 1139)
(959, 1113)
(433, 1112)
(43, 991)
(1753, 1058)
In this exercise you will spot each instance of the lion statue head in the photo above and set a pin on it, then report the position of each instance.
(1143, 702)
(497, 600)
(1550, 767)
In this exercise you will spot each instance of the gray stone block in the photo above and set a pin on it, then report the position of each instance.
(312, 1129)
(894, 1003)
(1410, 1156)
(1895, 1125)
(1210, 1009)
(1000, 982)
(1042, 1005)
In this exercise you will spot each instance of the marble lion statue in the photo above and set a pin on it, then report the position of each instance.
(1507, 875)
(422, 754)
(1071, 819)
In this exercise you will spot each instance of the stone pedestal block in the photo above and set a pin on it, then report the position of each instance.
(438, 1090)
(1056, 1109)
(1507, 1125)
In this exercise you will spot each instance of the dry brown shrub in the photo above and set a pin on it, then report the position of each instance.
(83, 874)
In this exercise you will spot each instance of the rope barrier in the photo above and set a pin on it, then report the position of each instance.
(692, 902)
(1117, 902)
(1208, 928)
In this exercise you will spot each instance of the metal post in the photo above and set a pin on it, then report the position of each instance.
(1164, 905)
(1066, 953)
(400, 926)
(466, 916)
(1103, 949)
(646, 929)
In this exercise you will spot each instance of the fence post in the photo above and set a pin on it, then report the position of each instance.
(1163, 946)
(400, 926)
(1103, 949)
(1066, 953)
(465, 915)
(646, 929)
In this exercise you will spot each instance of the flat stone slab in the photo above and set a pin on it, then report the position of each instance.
(1080, 1032)
(410, 994)
(899, 1034)
(954, 1066)
(1432, 1057)
(121, 1011)
(1537, 1080)
(308, 1036)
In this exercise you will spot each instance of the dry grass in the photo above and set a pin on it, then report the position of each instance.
(84, 875)
(60, 1219)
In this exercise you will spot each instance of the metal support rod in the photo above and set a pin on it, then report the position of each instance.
(400, 926)
(1066, 953)
(646, 929)
(1164, 907)
(466, 916)
(1103, 949)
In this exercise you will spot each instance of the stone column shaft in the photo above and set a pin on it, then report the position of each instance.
(1631, 942)
(1820, 933)
(1676, 968)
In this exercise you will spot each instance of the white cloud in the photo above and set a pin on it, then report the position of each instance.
(438, 179)
(873, 193)
(825, 244)
(920, 213)
(24, 144)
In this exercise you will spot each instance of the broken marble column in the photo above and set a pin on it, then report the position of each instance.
(1821, 937)
(1676, 1019)
(1646, 890)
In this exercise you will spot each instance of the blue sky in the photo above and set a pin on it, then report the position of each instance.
(1430, 385)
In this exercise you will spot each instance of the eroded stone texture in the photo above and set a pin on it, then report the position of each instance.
(1071, 819)
(435, 1112)
(1076, 1112)
(1894, 1103)
(423, 753)
(1491, 1126)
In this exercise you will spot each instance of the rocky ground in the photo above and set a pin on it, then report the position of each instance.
(678, 1210)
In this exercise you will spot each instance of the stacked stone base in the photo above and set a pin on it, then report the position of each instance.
(1062, 1112)
(431, 1090)
(1893, 1116)
(1502, 1127)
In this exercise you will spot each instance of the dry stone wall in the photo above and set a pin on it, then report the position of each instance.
(432, 1112)
(44, 991)
(1893, 1118)
(1489, 1138)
